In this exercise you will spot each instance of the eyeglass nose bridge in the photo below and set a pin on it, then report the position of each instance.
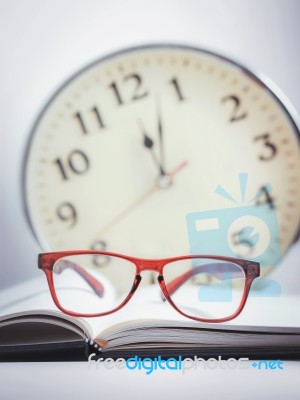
(150, 265)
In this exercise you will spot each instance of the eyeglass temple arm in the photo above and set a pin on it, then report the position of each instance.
(211, 268)
(97, 286)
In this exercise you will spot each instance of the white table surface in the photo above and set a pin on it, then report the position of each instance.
(80, 380)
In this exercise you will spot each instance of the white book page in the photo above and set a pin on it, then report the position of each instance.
(34, 295)
(146, 304)
(30, 295)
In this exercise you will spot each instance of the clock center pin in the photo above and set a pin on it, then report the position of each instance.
(164, 181)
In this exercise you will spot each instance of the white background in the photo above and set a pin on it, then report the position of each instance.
(41, 44)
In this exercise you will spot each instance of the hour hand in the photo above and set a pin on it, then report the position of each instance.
(149, 144)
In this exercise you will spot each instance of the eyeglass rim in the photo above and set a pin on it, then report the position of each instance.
(46, 262)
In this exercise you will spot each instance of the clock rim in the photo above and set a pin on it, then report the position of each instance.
(256, 75)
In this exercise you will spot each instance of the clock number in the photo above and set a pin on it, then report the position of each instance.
(137, 94)
(66, 212)
(99, 119)
(174, 82)
(115, 89)
(81, 122)
(265, 198)
(100, 260)
(272, 149)
(236, 114)
(95, 110)
(77, 162)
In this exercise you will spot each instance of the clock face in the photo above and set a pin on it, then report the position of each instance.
(132, 144)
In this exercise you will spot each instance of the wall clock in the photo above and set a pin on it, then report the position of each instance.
(132, 143)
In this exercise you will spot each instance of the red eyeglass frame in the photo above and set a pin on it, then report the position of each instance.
(47, 260)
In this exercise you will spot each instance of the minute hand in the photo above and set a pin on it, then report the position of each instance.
(160, 135)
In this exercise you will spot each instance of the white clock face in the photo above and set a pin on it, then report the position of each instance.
(133, 143)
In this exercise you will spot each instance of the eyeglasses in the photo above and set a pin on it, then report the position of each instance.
(201, 287)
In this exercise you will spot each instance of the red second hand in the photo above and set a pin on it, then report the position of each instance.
(140, 200)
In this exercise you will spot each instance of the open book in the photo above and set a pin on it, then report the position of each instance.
(32, 329)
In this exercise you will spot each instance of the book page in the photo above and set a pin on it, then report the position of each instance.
(147, 304)
(34, 296)
(31, 302)
(29, 331)
(26, 296)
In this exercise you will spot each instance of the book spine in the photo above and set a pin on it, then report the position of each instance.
(93, 346)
